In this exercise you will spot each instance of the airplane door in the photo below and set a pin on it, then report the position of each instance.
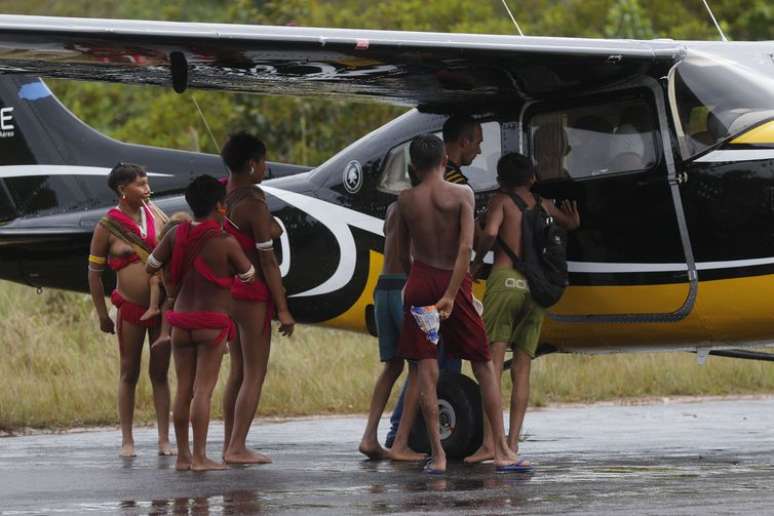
(631, 260)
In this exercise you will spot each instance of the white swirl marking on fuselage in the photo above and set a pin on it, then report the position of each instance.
(337, 219)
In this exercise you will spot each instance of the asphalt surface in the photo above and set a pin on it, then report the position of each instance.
(712, 457)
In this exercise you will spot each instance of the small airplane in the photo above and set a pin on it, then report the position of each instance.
(667, 147)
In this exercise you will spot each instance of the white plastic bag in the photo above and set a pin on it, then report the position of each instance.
(428, 320)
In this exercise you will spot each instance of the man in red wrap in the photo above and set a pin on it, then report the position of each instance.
(202, 263)
(435, 242)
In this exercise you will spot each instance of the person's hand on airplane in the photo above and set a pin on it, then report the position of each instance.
(570, 210)
(287, 323)
(445, 307)
(106, 325)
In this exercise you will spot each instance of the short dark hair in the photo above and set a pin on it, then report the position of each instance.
(123, 174)
(240, 148)
(203, 195)
(458, 126)
(514, 169)
(426, 151)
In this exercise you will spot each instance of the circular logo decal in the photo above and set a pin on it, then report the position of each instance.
(353, 176)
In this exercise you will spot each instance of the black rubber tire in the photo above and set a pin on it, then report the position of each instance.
(461, 395)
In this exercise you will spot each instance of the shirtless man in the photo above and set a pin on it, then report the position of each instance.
(512, 318)
(388, 308)
(203, 260)
(436, 225)
(462, 139)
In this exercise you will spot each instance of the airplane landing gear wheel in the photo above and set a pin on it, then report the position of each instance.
(459, 417)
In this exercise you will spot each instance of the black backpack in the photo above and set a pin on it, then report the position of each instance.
(544, 253)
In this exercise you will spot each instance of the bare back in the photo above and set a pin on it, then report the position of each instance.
(432, 213)
(510, 227)
(198, 294)
(392, 264)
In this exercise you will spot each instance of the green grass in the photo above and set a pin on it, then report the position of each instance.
(58, 370)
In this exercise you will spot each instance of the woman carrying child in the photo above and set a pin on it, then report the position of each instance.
(202, 262)
(123, 240)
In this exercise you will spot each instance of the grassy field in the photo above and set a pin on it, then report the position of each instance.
(58, 371)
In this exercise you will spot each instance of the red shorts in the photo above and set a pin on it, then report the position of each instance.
(462, 333)
(204, 321)
(131, 312)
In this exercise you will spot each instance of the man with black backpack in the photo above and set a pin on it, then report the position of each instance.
(528, 275)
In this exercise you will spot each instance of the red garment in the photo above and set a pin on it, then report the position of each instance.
(256, 292)
(189, 241)
(463, 333)
(204, 321)
(131, 313)
(119, 262)
(207, 273)
(246, 242)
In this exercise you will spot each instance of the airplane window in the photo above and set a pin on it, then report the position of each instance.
(592, 140)
(481, 174)
(45, 195)
(714, 97)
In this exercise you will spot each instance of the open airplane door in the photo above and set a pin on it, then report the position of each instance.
(631, 261)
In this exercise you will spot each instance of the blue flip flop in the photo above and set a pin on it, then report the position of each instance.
(517, 467)
(429, 470)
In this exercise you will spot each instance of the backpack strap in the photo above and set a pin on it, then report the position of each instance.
(517, 262)
(519, 202)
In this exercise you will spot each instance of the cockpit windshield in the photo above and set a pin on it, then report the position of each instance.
(714, 97)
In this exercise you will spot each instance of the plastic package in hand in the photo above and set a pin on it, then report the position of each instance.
(428, 320)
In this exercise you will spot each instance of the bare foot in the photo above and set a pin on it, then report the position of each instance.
(183, 462)
(166, 449)
(150, 313)
(127, 450)
(246, 457)
(405, 454)
(482, 454)
(207, 465)
(372, 450)
(161, 341)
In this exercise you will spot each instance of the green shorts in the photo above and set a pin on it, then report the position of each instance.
(510, 314)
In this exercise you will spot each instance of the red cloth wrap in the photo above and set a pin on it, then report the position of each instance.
(463, 332)
(204, 321)
(246, 242)
(131, 313)
(189, 240)
(207, 273)
(256, 292)
(119, 262)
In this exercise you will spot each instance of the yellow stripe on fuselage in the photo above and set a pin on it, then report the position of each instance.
(728, 311)
(762, 134)
(354, 318)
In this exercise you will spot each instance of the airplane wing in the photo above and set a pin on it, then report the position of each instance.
(405, 68)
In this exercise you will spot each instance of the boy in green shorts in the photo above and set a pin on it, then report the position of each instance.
(512, 318)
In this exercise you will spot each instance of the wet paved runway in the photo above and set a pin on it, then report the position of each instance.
(678, 458)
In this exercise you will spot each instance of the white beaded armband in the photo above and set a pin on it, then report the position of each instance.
(153, 262)
(265, 246)
(247, 277)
